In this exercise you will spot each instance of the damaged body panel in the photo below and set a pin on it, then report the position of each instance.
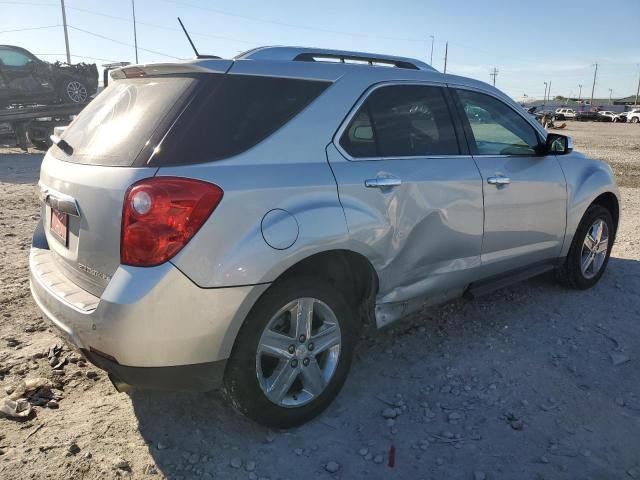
(27, 80)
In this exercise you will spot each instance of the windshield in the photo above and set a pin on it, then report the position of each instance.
(114, 128)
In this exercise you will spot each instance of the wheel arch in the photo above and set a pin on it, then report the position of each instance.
(350, 272)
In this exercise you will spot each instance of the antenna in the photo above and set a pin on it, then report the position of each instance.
(189, 38)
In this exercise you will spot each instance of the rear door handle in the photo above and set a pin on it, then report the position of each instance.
(382, 182)
(498, 180)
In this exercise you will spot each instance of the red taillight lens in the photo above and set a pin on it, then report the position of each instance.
(160, 215)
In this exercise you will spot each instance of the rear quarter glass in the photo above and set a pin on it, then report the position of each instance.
(126, 120)
(233, 113)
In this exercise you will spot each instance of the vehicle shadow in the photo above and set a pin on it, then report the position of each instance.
(20, 168)
(191, 435)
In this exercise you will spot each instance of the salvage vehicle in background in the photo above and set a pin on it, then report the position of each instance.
(565, 114)
(27, 80)
(634, 116)
(587, 116)
(235, 222)
(621, 117)
(607, 116)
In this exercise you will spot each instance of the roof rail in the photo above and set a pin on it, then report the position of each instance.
(302, 54)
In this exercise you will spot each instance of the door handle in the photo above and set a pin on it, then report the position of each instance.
(382, 182)
(498, 180)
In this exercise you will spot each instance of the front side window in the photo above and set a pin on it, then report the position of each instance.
(496, 127)
(402, 121)
(11, 58)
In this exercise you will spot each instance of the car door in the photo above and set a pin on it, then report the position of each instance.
(411, 193)
(525, 193)
(24, 81)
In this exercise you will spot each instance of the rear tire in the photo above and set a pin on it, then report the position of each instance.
(635, 120)
(589, 252)
(270, 347)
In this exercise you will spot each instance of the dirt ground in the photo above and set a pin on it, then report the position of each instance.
(531, 382)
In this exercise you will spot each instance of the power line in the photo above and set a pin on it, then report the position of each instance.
(122, 43)
(74, 56)
(292, 25)
(30, 28)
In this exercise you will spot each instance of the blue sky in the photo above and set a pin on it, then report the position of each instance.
(528, 42)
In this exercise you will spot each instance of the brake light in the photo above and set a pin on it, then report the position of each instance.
(160, 215)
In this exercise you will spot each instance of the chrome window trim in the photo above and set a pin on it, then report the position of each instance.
(363, 98)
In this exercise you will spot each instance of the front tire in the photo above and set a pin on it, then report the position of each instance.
(590, 249)
(292, 354)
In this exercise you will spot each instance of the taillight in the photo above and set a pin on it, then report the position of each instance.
(160, 216)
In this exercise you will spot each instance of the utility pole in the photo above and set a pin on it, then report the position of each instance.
(549, 92)
(638, 91)
(135, 35)
(610, 93)
(580, 94)
(446, 54)
(595, 72)
(66, 34)
(431, 58)
(493, 75)
(544, 99)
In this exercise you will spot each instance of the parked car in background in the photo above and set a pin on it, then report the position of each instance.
(27, 80)
(236, 221)
(621, 117)
(634, 116)
(607, 116)
(587, 116)
(565, 114)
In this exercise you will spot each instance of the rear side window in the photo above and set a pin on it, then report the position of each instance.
(114, 128)
(230, 116)
(402, 121)
(496, 127)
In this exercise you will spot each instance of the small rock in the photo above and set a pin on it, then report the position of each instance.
(87, 455)
(439, 461)
(236, 462)
(620, 402)
(389, 413)
(332, 467)
(298, 451)
(121, 464)
(390, 422)
(544, 459)
(91, 374)
(479, 475)
(150, 470)
(74, 448)
(619, 358)
(194, 458)
(250, 466)
(455, 416)
(163, 445)
(363, 451)
(52, 404)
(378, 459)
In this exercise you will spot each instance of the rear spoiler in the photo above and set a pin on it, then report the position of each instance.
(204, 65)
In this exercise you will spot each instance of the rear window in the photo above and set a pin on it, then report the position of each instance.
(233, 113)
(114, 128)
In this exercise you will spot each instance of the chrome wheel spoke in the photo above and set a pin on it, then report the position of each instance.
(304, 317)
(275, 344)
(589, 242)
(602, 246)
(586, 262)
(325, 339)
(594, 249)
(312, 378)
(283, 378)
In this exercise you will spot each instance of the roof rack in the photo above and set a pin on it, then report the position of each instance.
(301, 54)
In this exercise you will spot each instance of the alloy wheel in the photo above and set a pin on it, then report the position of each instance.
(298, 352)
(594, 249)
(77, 92)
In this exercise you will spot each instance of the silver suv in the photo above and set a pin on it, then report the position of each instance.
(235, 222)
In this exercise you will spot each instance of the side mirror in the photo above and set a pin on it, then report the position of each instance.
(558, 144)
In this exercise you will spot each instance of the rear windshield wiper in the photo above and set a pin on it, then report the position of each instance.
(62, 145)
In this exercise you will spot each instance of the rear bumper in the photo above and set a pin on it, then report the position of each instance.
(155, 327)
(198, 377)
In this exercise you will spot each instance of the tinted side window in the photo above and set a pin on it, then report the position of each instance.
(404, 121)
(497, 128)
(230, 117)
(11, 58)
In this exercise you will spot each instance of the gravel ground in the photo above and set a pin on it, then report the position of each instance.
(530, 382)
